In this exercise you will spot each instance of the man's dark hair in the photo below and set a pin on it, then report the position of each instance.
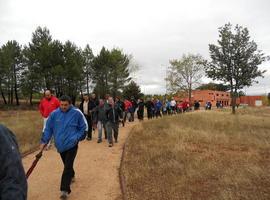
(65, 98)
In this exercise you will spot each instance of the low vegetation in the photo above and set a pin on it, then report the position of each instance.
(201, 155)
(26, 125)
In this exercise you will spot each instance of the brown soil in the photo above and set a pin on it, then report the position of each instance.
(96, 167)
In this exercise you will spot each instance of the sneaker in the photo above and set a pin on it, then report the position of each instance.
(110, 145)
(99, 141)
(88, 138)
(64, 195)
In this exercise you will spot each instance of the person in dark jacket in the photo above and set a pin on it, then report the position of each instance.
(13, 185)
(88, 107)
(149, 107)
(120, 104)
(113, 115)
(100, 119)
(133, 108)
(85, 107)
(68, 126)
(196, 105)
(140, 111)
(94, 102)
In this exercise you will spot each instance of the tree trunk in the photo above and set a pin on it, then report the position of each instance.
(16, 96)
(11, 92)
(73, 99)
(114, 94)
(3, 96)
(81, 91)
(233, 104)
(87, 83)
(9, 96)
(8, 91)
(30, 98)
(11, 99)
(189, 96)
(16, 90)
(233, 99)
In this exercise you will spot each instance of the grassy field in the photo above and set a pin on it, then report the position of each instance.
(26, 125)
(206, 155)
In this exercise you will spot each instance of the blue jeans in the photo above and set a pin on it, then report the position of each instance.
(100, 126)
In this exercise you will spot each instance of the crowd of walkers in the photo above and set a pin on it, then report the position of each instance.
(96, 111)
(69, 125)
(156, 108)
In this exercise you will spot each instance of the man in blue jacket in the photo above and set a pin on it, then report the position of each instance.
(13, 183)
(67, 125)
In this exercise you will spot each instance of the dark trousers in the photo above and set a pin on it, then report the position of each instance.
(90, 127)
(110, 126)
(125, 116)
(158, 114)
(68, 158)
(149, 113)
(132, 116)
(140, 114)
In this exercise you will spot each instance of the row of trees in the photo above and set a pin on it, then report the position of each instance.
(63, 67)
(234, 61)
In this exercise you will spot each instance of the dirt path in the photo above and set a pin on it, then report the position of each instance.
(96, 168)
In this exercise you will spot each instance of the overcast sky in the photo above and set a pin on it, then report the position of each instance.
(152, 31)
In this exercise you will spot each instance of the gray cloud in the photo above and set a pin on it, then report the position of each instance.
(152, 31)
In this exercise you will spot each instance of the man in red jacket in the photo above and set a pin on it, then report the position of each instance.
(47, 105)
(128, 106)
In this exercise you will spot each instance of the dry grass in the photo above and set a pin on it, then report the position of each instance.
(26, 125)
(201, 155)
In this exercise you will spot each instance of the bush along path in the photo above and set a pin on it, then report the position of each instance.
(96, 167)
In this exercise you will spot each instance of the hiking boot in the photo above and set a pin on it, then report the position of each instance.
(99, 141)
(110, 145)
(64, 195)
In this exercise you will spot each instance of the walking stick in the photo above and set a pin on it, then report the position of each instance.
(38, 156)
